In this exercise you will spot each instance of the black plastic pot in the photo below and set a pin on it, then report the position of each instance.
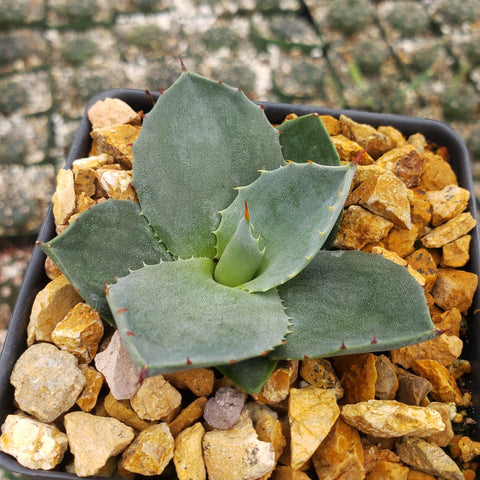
(35, 278)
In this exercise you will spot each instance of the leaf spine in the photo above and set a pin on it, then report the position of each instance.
(343, 347)
(122, 310)
(374, 340)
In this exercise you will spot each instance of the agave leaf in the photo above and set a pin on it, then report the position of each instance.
(305, 139)
(200, 141)
(104, 242)
(180, 317)
(350, 302)
(251, 374)
(293, 209)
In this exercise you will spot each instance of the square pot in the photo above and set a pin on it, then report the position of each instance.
(35, 278)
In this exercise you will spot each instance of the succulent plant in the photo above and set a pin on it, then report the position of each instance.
(222, 264)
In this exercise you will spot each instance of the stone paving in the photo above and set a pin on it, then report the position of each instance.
(420, 58)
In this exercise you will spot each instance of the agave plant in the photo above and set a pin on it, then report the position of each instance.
(221, 262)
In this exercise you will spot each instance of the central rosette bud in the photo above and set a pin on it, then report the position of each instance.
(242, 255)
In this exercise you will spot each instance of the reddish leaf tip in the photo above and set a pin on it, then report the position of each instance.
(374, 340)
(130, 334)
(360, 155)
(189, 362)
(247, 213)
(232, 361)
(343, 347)
(143, 374)
(184, 68)
(122, 310)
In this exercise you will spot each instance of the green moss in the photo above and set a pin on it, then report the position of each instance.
(76, 52)
(409, 18)
(459, 102)
(147, 37)
(12, 96)
(370, 55)
(349, 16)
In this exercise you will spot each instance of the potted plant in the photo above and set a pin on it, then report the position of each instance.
(233, 259)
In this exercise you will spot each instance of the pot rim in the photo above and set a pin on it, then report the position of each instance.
(35, 277)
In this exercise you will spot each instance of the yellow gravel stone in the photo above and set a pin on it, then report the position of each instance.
(116, 141)
(454, 289)
(340, 455)
(150, 452)
(437, 173)
(457, 253)
(449, 231)
(360, 227)
(89, 395)
(237, 453)
(187, 455)
(79, 332)
(385, 195)
(390, 418)
(188, 416)
(349, 150)
(111, 112)
(121, 410)
(199, 381)
(156, 399)
(445, 349)
(445, 387)
(312, 412)
(50, 306)
(63, 199)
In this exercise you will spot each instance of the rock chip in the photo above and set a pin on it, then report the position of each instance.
(237, 453)
(47, 381)
(445, 349)
(386, 384)
(34, 444)
(442, 439)
(384, 470)
(367, 136)
(449, 231)
(79, 332)
(116, 141)
(50, 306)
(188, 416)
(428, 458)
(187, 456)
(277, 387)
(312, 412)
(447, 203)
(199, 381)
(348, 150)
(437, 172)
(223, 410)
(111, 112)
(412, 389)
(93, 384)
(284, 472)
(156, 399)
(358, 376)
(117, 184)
(469, 448)
(422, 261)
(405, 162)
(445, 388)
(93, 440)
(150, 452)
(390, 418)
(319, 372)
(120, 373)
(122, 410)
(63, 199)
(360, 227)
(340, 455)
(457, 253)
(385, 195)
(268, 427)
(454, 289)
